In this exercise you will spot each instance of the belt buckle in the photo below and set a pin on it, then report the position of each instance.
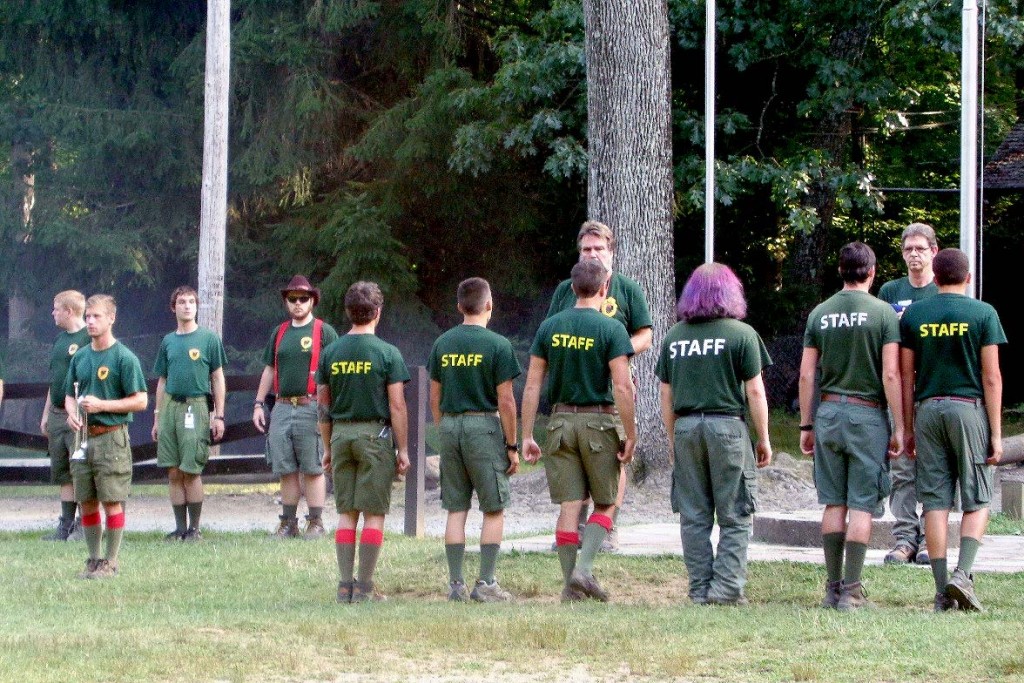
(294, 400)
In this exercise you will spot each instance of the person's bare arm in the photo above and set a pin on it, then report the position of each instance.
(641, 339)
(908, 377)
(808, 368)
(132, 403)
(399, 424)
(622, 388)
(992, 387)
(435, 401)
(323, 420)
(893, 396)
(668, 416)
(507, 415)
(158, 403)
(220, 392)
(757, 401)
(259, 415)
(531, 399)
(46, 410)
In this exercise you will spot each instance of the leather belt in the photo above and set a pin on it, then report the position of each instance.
(852, 400)
(702, 415)
(567, 408)
(98, 430)
(296, 400)
(184, 399)
(475, 413)
(959, 399)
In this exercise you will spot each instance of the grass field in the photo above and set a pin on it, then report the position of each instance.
(240, 607)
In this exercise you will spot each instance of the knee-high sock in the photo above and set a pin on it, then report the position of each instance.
(594, 534)
(370, 542)
(345, 547)
(115, 531)
(567, 543)
(93, 534)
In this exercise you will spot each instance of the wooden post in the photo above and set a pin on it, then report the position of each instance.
(415, 489)
(214, 211)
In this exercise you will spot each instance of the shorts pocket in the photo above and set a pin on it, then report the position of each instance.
(746, 498)
(556, 434)
(884, 483)
(604, 425)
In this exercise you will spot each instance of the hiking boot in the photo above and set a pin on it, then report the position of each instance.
(77, 532)
(587, 585)
(570, 594)
(314, 529)
(610, 544)
(922, 557)
(832, 592)
(944, 603)
(457, 592)
(961, 589)
(90, 567)
(288, 528)
(175, 536)
(852, 597)
(489, 592)
(364, 592)
(737, 601)
(901, 554)
(344, 592)
(62, 532)
(105, 569)
(192, 535)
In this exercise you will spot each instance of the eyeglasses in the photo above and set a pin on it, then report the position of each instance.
(298, 299)
(916, 250)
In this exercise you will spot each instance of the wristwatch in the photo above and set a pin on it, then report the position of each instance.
(511, 447)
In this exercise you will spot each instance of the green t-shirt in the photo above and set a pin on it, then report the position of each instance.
(946, 333)
(109, 374)
(626, 302)
(470, 362)
(64, 348)
(849, 330)
(358, 368)
(900, 293)
(293, 356)
(578, 344)
(186, 361)
(706, 363)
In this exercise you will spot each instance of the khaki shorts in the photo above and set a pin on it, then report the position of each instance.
(106, 473)
(293, 442)
(473, 458)
(582, 457)
(851, 466)
(952, 446)
(60, 446)
(363, 462)
(177, 446)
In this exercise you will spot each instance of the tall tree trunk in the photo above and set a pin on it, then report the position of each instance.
(214, 211)
(19, 308)
(630, 174)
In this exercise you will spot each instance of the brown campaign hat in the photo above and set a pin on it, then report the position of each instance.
(299, 283)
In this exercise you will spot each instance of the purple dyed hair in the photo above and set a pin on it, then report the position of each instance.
(713, 291)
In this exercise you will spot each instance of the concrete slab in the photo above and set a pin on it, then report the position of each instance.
(803, 528)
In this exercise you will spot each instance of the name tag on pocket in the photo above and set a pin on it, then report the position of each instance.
(190, 419)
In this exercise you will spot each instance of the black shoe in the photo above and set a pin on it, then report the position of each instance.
(64, 530)
(344, 592)
(175, 536)
(944, 603)
(192, 535)
(833, 589)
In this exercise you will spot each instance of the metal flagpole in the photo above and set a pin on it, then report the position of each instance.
(709, 133)
(969, 140)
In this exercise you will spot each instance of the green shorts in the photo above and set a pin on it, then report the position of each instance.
(106, 473)
(293, 442)
(177, 445)
(952, 446)
(473, 457)
(363, 462)
(60, 446)
(582, 457)
(851, 467)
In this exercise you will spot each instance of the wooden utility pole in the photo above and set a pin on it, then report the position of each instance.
(630, 173)
(214, 211)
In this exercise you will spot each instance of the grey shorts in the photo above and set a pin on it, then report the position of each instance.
(473, 458)
(952, 446)
(851, 467)
(293, 442)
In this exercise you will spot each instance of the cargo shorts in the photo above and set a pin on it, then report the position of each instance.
(473, 458)
(179, 446)
(363, 462)
(952, 446)
(293, 441)
(851, 466)
(60, 446)
(582, 457)
(106, 473)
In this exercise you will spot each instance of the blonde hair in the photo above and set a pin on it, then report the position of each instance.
(102, 300)
(597, 229)
(71, 299)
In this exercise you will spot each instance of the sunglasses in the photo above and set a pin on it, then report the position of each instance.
(298, 299)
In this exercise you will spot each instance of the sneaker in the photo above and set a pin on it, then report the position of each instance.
(314, 529)
(901, 554)
(738, 601)
(192, 535)
(852, 596)
(90, 567)
(62, 532)
(832, 592)
(457, 592)
(922, 557)
(104, 570)
(570, 594)
(587, 585)
(961, 589)
(611, 542)
(344, 592)
(364, 592)
(944, 603)
(489, 592)
(175, 536)
(288, 528)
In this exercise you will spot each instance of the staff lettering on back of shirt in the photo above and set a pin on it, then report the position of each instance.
(835, 320)
(696, 347)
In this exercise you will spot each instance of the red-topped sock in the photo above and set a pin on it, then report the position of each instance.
(567, 544)
(594, 534)
(93, 534)
(345, 547)
(370, 542)
(115, 531)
